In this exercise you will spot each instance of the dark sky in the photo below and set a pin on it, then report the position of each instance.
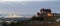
(28, 7)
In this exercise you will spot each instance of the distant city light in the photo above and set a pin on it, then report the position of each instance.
(13, 16)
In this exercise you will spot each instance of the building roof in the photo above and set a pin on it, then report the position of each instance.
(45, 10)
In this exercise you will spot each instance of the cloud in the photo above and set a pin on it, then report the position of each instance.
(28, 0)
(23, 0)
(26, 7)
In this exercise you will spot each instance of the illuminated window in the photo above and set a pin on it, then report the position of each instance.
(50, 15)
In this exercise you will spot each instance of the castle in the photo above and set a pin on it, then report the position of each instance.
(45, 12)
(45, 15)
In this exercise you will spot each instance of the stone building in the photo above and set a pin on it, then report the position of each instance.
(45, 14)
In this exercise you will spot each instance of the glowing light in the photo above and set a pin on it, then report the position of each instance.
(50, 15)
(13, 16)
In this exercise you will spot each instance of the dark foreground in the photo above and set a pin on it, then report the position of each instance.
(31, 23)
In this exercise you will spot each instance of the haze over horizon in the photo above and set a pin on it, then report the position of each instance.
(28, 7)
